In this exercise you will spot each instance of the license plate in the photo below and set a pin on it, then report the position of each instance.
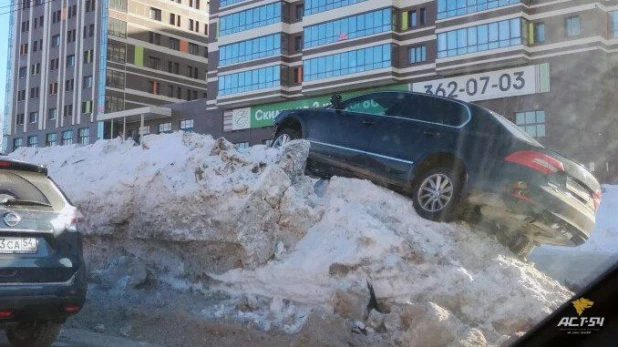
(18, 245)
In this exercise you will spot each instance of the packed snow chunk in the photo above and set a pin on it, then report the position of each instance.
(186, 196)
(371, 234)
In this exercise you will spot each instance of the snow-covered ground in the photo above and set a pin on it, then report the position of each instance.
(198, 214)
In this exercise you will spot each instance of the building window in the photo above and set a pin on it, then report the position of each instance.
(118, 5)
(69, 85)
(423, 16)
(17, 143)
(480, 38)
(52, 113)
(533, 122)
(186, 125)
(88, 56)
(155, 14)
(67, 137)
(194, 49)
(174, 43)
(114, 79)
(68, 110)
(613, 24)
(417, 54)
(19, 119)
(246, 81)
(257, 48)
(34, 92)
(83, 136)
(452, 8)
(300, 10)
(23, 72)
(539, 32)
(55, 40)
(21, 95)
(155, 38)
(87, 107)
(412, 19)
(346, 63)
(116, 27)
(70, 60)
(573, 26)
(165, 128)
(348, 28)
(116, 52)
(33, 117)
(87, 83)
(145, 130)
(54, 64)
(113, 103)
(51, 139)
(36, 69)
(251, 18)
(153, 87)
(154, 63)
(317, 6)
(298, 43)
(53, 88)
(33, 141)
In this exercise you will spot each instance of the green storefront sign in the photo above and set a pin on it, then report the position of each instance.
(263, 115)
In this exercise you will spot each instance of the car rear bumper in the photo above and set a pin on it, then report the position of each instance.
(544, 213)
(42, 301)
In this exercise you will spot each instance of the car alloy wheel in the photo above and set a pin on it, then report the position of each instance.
(435, 192)
(281, 140)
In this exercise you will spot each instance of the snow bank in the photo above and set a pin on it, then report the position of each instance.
(194, 209)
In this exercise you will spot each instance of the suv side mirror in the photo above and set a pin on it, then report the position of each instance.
(335, 101)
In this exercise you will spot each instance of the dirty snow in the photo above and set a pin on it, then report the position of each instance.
(193, 209)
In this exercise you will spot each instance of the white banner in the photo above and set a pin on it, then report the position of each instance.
(489, 85)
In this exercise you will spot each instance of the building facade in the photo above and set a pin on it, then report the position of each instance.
(76, 68)
(549, 66)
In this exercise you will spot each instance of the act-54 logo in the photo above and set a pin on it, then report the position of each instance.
(581, 325)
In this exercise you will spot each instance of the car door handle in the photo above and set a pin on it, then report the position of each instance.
(369, 123)
(431, 133)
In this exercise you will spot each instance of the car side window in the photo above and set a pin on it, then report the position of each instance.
(381, 104)
(434, 110)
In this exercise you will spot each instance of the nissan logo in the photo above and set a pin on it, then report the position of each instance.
(11, 219)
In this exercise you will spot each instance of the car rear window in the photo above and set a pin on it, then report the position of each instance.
(31, 186)
(514, 129)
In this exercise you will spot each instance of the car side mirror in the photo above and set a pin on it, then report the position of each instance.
(335, 101)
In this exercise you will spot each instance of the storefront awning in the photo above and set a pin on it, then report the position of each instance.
(136, 114)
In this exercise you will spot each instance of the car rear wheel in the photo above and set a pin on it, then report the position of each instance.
(33, 334)
(436, 194)
(284, 136)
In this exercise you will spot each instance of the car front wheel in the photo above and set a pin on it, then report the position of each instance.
(33, 334)
(284, 136)
(436, 194)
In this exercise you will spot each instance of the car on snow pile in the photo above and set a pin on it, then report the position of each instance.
(455, 159)
(42, 271)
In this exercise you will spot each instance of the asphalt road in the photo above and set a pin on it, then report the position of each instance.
(84, 338)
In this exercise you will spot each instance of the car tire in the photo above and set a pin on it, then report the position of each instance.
(33, 334)
(437, 204)
(284, 136)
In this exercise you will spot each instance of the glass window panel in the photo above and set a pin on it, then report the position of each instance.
(530, 117)
(540, 116)
(520, 118)
(540, 130)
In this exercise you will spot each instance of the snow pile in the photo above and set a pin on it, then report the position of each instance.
(195, 211)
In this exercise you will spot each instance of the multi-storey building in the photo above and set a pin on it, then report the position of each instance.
(549, 66)
(80, 70)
